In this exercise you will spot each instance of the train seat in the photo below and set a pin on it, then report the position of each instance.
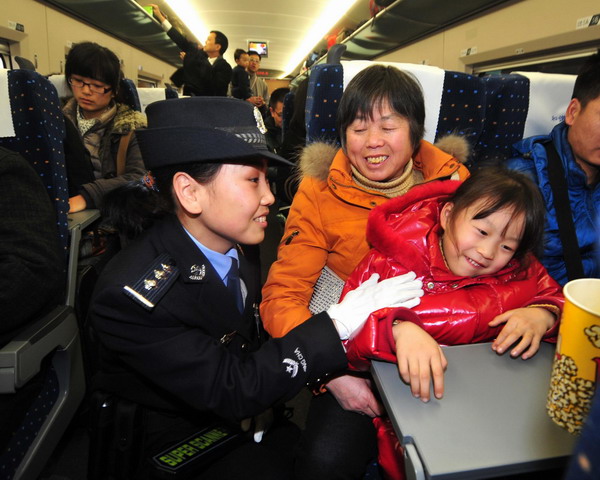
(62, 88)
(25, 63)
(491, 112)
(453, 100)
(48, 350)
(128, 89)
(519, 105)
(288, 111)
(130, 94)
(150, 95)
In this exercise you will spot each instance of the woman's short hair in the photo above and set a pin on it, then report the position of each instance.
(501, 188)
(376, 86)
(88, 59)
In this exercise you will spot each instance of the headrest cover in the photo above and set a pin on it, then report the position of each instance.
(7, 128)
(203, 129)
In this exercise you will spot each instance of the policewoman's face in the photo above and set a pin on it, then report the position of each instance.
(235, 207)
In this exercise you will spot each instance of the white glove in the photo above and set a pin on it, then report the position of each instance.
(262, 423)
(401, 291)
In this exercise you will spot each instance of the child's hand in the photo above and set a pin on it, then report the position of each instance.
(419, 359)
(528, 324)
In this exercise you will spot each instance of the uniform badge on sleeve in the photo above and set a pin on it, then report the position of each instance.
(154, 283)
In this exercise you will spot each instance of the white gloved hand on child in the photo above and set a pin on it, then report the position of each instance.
(352, 312)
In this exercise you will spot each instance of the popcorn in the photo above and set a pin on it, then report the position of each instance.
(569, 396)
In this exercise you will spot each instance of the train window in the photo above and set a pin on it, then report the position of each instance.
(5, 61)
(566, 64)
(147, 79)
(142, 83)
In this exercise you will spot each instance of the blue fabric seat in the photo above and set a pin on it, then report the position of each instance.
(491, 112)
(130, 95)
(505, 113)
(47, 351)
(455, 105)
(288, 111)
(39, 135)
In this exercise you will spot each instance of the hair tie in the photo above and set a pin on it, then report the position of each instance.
(149, 182)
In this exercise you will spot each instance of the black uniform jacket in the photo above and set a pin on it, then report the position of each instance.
(193, 347)
(199, 76)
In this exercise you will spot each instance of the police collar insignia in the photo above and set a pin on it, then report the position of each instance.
(197, 272)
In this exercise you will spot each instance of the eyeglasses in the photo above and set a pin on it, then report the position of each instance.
(252, 60)
(279, 114)
(77, 83)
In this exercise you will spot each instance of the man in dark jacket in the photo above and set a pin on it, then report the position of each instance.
(205, 71)
(577, 143)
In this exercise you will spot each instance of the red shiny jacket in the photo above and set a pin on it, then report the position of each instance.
(405, 235)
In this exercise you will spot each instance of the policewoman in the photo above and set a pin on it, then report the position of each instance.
(177, 326)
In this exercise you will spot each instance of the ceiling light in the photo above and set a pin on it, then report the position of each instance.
(331, 14)
(185, 9)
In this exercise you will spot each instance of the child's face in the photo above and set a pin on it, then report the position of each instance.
(379, 148)
(243, 61)
(474, 247)
(234, 207)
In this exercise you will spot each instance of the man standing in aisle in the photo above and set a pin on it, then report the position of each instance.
(205, 71)
(259, 88)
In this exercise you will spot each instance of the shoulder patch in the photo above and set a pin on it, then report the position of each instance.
(154, 283)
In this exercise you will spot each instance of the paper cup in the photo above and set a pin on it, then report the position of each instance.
(576, 366)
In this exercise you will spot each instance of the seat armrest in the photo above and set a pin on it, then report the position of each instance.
(21, 358)
(77, 223)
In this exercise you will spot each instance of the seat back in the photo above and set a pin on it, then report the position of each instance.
(39, 132)
(48, 350)
(325, 88)
(170, 92)
(150, 95)
(130, 95)
(492, 112)
(453, 100)
(128, 90)
(288, 111)
(519, 105)
(24, 63)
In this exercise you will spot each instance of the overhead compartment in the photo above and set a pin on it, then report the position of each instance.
(406, 21)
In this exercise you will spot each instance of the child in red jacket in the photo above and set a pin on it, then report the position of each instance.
(472, 246)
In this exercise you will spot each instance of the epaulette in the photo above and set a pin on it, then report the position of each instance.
(154, 283)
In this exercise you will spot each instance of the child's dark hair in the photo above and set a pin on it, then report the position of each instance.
(587, 84)
(501, 188)
(91, 60)
(134, 207)
(373, 87)
(237, 54)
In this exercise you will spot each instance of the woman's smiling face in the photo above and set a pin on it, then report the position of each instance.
(379, 146)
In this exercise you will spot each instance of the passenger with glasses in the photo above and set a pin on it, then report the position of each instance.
(101, 150)
(259, 88)
(274, 121)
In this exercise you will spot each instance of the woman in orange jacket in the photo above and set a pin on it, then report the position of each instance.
(381, 121)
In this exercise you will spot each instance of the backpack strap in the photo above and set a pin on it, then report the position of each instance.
(122, 152)
(564, 216)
